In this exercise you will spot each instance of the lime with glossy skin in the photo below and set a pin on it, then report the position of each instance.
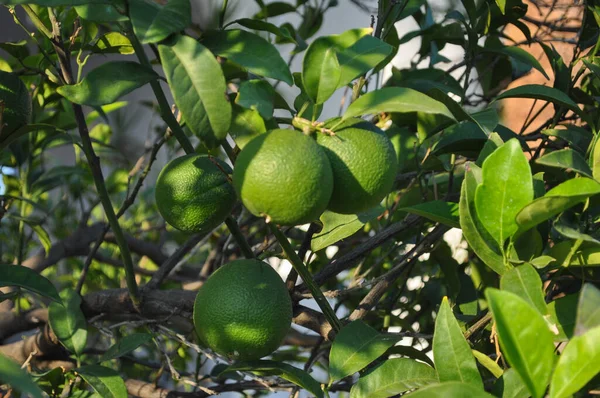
(15, 102)
(364, 165)
(243, 311)
(193, 193)
(283, 175)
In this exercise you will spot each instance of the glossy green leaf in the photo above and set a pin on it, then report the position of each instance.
(475, 234)
(577, 137)
(452, 355)
(520, 55)
(557, 200)
(525, 282)
(107, 83)
(506, 187)
(494, 142)
(258, 95)
(320, 70)
(198, 86)
(566, 159)
(18, 275)
(264, 26)
(510, 385)
(15, 377)
(577, 365)
(450, 389)
(245, 125)
(463, 137)
(340, 226)
(361, 56)
(588, 309)
(392, 377)
(100, 13)
(250, 51)
(438, 211)
(68, 322)
(125, 345)
(153, 23)
(524, 337)
(540, 92)
(410, 352)
(488, 363)
(354, 347)
(283, 370)
(105, 381)
(396, 99)
(112, 43)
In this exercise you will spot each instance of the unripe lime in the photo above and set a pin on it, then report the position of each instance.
(363, 162)
(243, 311)
(285, 176)
(194, 194)
(16, 103)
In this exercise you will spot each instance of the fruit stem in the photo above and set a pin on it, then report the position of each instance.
(309, 127)
(304, 273)
(234, 228)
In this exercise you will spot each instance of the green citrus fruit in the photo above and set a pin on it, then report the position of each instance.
(16, 100)
(243, 311)
(285, 176)
(363, 162)
(193, 193)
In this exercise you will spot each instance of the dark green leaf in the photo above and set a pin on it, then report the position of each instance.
(578, 364)
(488, 363)
(525, 282)
(250, 51)
(506, 187)
(126, 345)
(361, 56)
(107, 83)
(393, 377)
(7, 139)
(320, 70)
(354, 347)
(340, 226)
(100, 13)
(450, 389)
(68, 322)
(274, 9)
(15, 377)
(264, 26)
(578, 137)
(153, 23)
(410, 352)
(463, 137)
(112, 43)
(510, 385)
(588, 309)
(107, 382)
(258, 95)
(562, 316)
(396, 99)
(283, 370)
(520, 55)
(56, 3)
(494, 142)
(198, 86)
(566, 159)
(452, 355)
(18, 275)
(540, 92)
(524, 337)
(557, 200)
(438, 211)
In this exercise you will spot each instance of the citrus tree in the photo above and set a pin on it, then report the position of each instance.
(423, 247)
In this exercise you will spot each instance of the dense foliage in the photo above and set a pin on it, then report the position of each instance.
(475, 276)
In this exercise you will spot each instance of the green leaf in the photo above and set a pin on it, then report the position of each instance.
(510, 385)
(577, 137)
(250, 51)
(112, 43)
(494, 142)
(450, 389)
(524, 338)
(463, 137)
(283, 370)
(264, 26)
(502, 5)
(274, 9)
(396, 99)
(488, 363)
(8, 138)
(18, 275)
(562, 315)
(588, 309)
(595, 160)
(506, 187)
(520, 55)
(340, 226)
(356, 346)
(525, 282)
(438, 211)
(475, 234)
(410, 352)
(107, 83)
(452, 355)
(68, 322)
(258, 95)
(245, 125)
(198, 86)
(557, 200)
(566, 159)
(126, 345)
(107, 382)
(577, 365)
(100, 13)
(15, 377)
(392, 377)
(56, 3)
(540, 92)
(320, 70)
(153, 23)
(361, 56)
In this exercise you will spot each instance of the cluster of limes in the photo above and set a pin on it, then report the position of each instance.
(243, 310)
